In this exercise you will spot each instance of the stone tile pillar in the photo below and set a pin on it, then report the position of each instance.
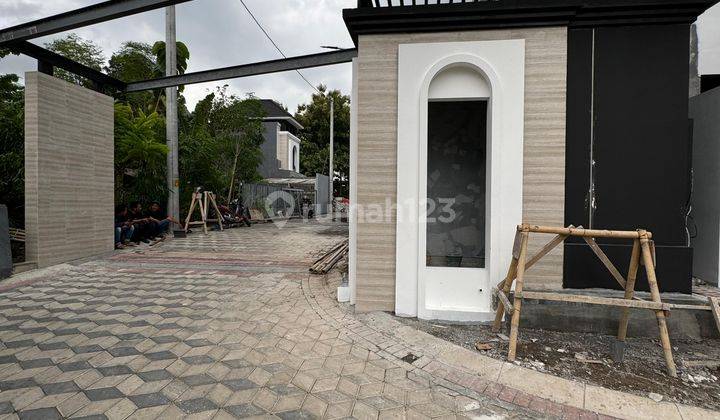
(69, 176)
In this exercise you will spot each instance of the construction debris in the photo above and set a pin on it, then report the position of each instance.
(325, 263)
(483, 346)
(655, 397)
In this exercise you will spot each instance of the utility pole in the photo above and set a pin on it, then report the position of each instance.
(332, 150)
(171, 116)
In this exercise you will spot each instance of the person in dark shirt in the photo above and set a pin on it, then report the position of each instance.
(123, 228)
(144, 226)
(160, 218)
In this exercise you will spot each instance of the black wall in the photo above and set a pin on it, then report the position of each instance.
(627, 112)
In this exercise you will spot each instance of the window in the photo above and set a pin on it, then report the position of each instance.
(295, 158)
(456, 183)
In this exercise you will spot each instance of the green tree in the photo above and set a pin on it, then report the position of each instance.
(315, 118)
(134, 61)
(12, 140)
(78, 49)
(220, 144)
(140, 155)
(183, 56)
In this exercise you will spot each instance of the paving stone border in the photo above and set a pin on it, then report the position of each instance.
(461, 369)
(473, 374)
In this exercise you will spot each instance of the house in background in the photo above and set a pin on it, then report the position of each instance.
(502, 112)
(280, 166)
(281, 148)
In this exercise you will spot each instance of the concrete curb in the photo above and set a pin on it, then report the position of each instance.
(538, 391)
(558, 390)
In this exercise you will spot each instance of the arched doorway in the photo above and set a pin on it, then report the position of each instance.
(460, 128)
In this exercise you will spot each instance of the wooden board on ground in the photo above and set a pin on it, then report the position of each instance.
(715, 307)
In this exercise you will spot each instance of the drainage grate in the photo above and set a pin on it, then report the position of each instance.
(409, 358)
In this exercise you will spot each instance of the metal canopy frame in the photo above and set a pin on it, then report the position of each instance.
(16, 39)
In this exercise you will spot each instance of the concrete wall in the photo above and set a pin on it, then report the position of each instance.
(69, 182)
(6, 264)
(282, 149)
(269, 166)
(544, 150)
(704, 110)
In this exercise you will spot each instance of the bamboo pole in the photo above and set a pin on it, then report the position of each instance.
(504, 287)
(517, 303)
(503, 300)
(655, 292)
(594, 300)
(629, 289)
(581, 232)
(537, 257)
(193, 203)
(605, 260)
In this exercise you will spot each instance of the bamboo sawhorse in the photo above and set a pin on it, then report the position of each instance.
(203, 201)
(643, 253)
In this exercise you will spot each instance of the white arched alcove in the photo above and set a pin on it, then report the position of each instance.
(489, 71)
(459, 81)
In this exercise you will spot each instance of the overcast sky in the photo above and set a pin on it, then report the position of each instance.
(220, 33)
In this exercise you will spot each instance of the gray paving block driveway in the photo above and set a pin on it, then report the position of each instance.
(217, 326)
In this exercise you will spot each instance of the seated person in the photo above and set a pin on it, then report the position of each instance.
(161, 219)
(144, 227)
(123, 228)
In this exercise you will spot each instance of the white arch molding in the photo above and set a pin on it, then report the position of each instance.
(457, 70)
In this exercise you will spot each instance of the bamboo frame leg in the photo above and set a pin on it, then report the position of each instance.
(217, 211)
(507, 285)
(629, 289)
(203, 211)
(655, 292)
(515, 322)
(193, 202)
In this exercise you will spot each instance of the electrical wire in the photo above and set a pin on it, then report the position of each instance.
(267, 35)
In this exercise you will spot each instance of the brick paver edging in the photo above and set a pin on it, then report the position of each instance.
(451, 377)
(375, 331)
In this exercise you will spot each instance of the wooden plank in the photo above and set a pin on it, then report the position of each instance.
(580, 232)
(605, 260)
(596, 300)
(504, 301)
(715, 307)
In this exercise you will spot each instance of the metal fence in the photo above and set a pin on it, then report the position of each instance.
(271, 200)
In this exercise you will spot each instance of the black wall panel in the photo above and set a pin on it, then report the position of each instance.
(638, 137)
(578, 126)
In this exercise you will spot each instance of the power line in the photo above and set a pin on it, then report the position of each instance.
(275, 44)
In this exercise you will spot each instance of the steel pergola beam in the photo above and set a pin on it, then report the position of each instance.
(96, 13)
(245, 70)
(48, 57)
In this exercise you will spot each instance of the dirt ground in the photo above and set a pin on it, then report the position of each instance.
(586, 357)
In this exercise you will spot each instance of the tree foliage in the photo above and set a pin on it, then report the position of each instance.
(315, 118)
(78, 49)
(132, 62)
(12, 140)
(222, 128)
(140, 156)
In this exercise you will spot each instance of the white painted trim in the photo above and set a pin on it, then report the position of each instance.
(352, 246)
(502, 63)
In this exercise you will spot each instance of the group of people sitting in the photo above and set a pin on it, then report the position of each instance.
(133, 226)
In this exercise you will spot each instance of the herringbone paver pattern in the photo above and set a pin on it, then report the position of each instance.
(217, 326)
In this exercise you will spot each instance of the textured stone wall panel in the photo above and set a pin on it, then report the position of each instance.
(69, 181)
